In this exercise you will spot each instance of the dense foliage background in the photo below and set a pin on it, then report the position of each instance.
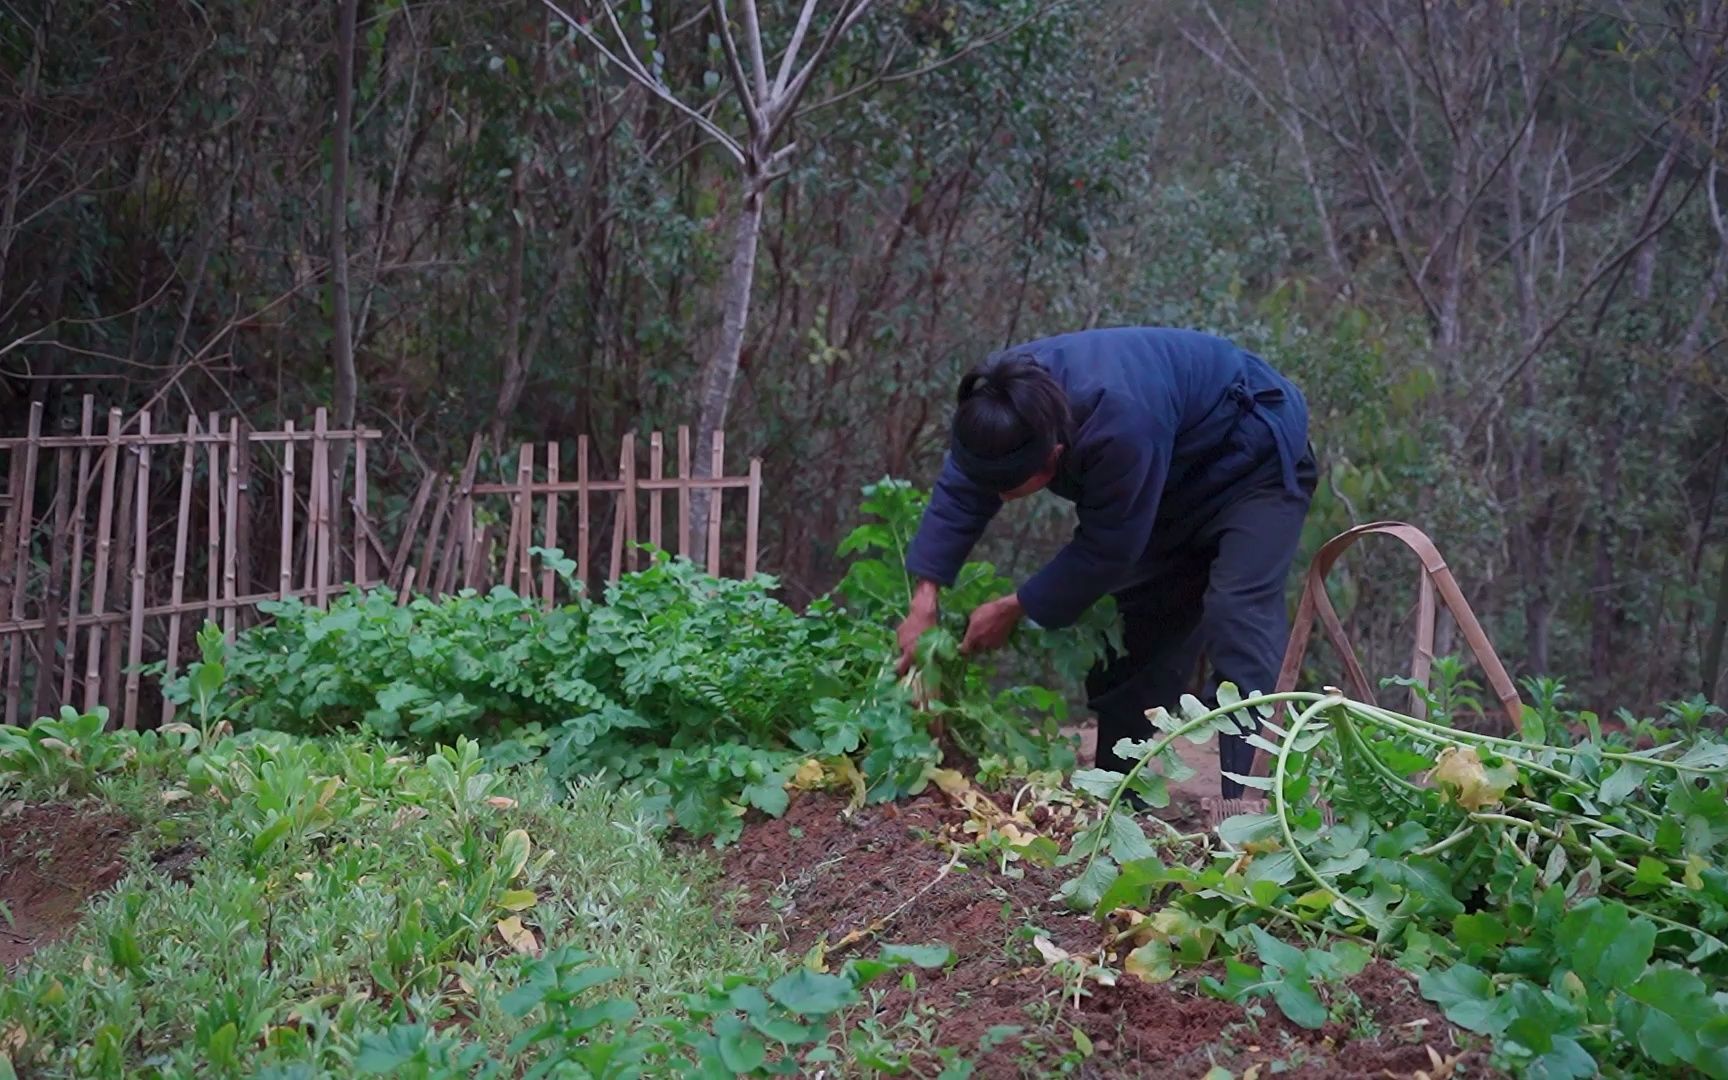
(1488, 240)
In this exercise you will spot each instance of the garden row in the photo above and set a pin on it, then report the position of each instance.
(436, 849)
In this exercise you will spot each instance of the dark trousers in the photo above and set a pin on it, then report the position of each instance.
(1218, 594)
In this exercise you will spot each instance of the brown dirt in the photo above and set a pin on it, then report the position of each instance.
(52, 859)
(814, 876)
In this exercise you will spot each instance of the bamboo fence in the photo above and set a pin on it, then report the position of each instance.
(117, 544)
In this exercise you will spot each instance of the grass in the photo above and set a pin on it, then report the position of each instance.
(346, 891)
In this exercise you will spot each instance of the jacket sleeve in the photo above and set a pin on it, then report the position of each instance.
(1124, 475)
(955, 519)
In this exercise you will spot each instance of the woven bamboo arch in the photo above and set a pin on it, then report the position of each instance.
(1435, 579)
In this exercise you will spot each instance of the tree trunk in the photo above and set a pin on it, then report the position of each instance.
(342, 340)
(342, 343)
(1718, 632)
(515, 362)
(721, 372)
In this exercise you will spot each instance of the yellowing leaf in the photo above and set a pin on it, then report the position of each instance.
(518, 937)
(518, 900)
(1150, 962)
(1460, 772)
(52, 994)
(1051, 952)
(500, 802)
(810, 775)
(951, 782)
(817, 958)
(1694, 877)
(174, 795)
(847, 772)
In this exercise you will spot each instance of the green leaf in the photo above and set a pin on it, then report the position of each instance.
(275, 830)
(1084, 892)
(1676, 1009)
(1126, 840)
(1098, 783)
(924, 956)
(1350, 958)
(1621, 783)
(1132, 887)
(768, 796)
(1298, 1002)
(1246, 828)
(741, 1050)
(811, 993)
(1277, 954)
(1278, 868)
(1466, 995)
(1604, 944)
(385, 1054)
(513, 853)
(1479, 932)
(1258, 783)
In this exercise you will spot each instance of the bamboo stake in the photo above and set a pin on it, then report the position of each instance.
(48, 644)
(512, 547)
(716, 500)
(140, 544)
(285, 559)
(177, 591)
(656, 471)
(364, 524)
(582, 508)
(753, 519)
(463, 529)
(399, 563)
(407, 587)
(321, 478)
(213, 524)
(124, 521)
(23, 531)
(624, 511)
(243, 513)
(548, 580)
(429, 554)
(684, 492)
(362, 515)
(99, 580)
(525, 477)
(231, 532)
(632, 534)
(86, 425)
(8, 525)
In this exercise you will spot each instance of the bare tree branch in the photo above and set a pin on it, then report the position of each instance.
(753, 41)
(753, 103)
(789, 59)
(626, 61)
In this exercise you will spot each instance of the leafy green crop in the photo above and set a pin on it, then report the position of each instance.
(1567, 900)
(709, 694)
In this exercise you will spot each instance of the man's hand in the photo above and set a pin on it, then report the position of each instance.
(920, 616)
(991, 624)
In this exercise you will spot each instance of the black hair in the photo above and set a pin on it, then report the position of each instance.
(1011, 414)
(1008, 401)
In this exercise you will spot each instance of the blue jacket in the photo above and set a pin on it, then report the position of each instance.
(1167, 423)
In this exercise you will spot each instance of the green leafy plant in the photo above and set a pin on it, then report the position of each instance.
(709, 694)
(962, 691)
(70, 751)
(1565, 899)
